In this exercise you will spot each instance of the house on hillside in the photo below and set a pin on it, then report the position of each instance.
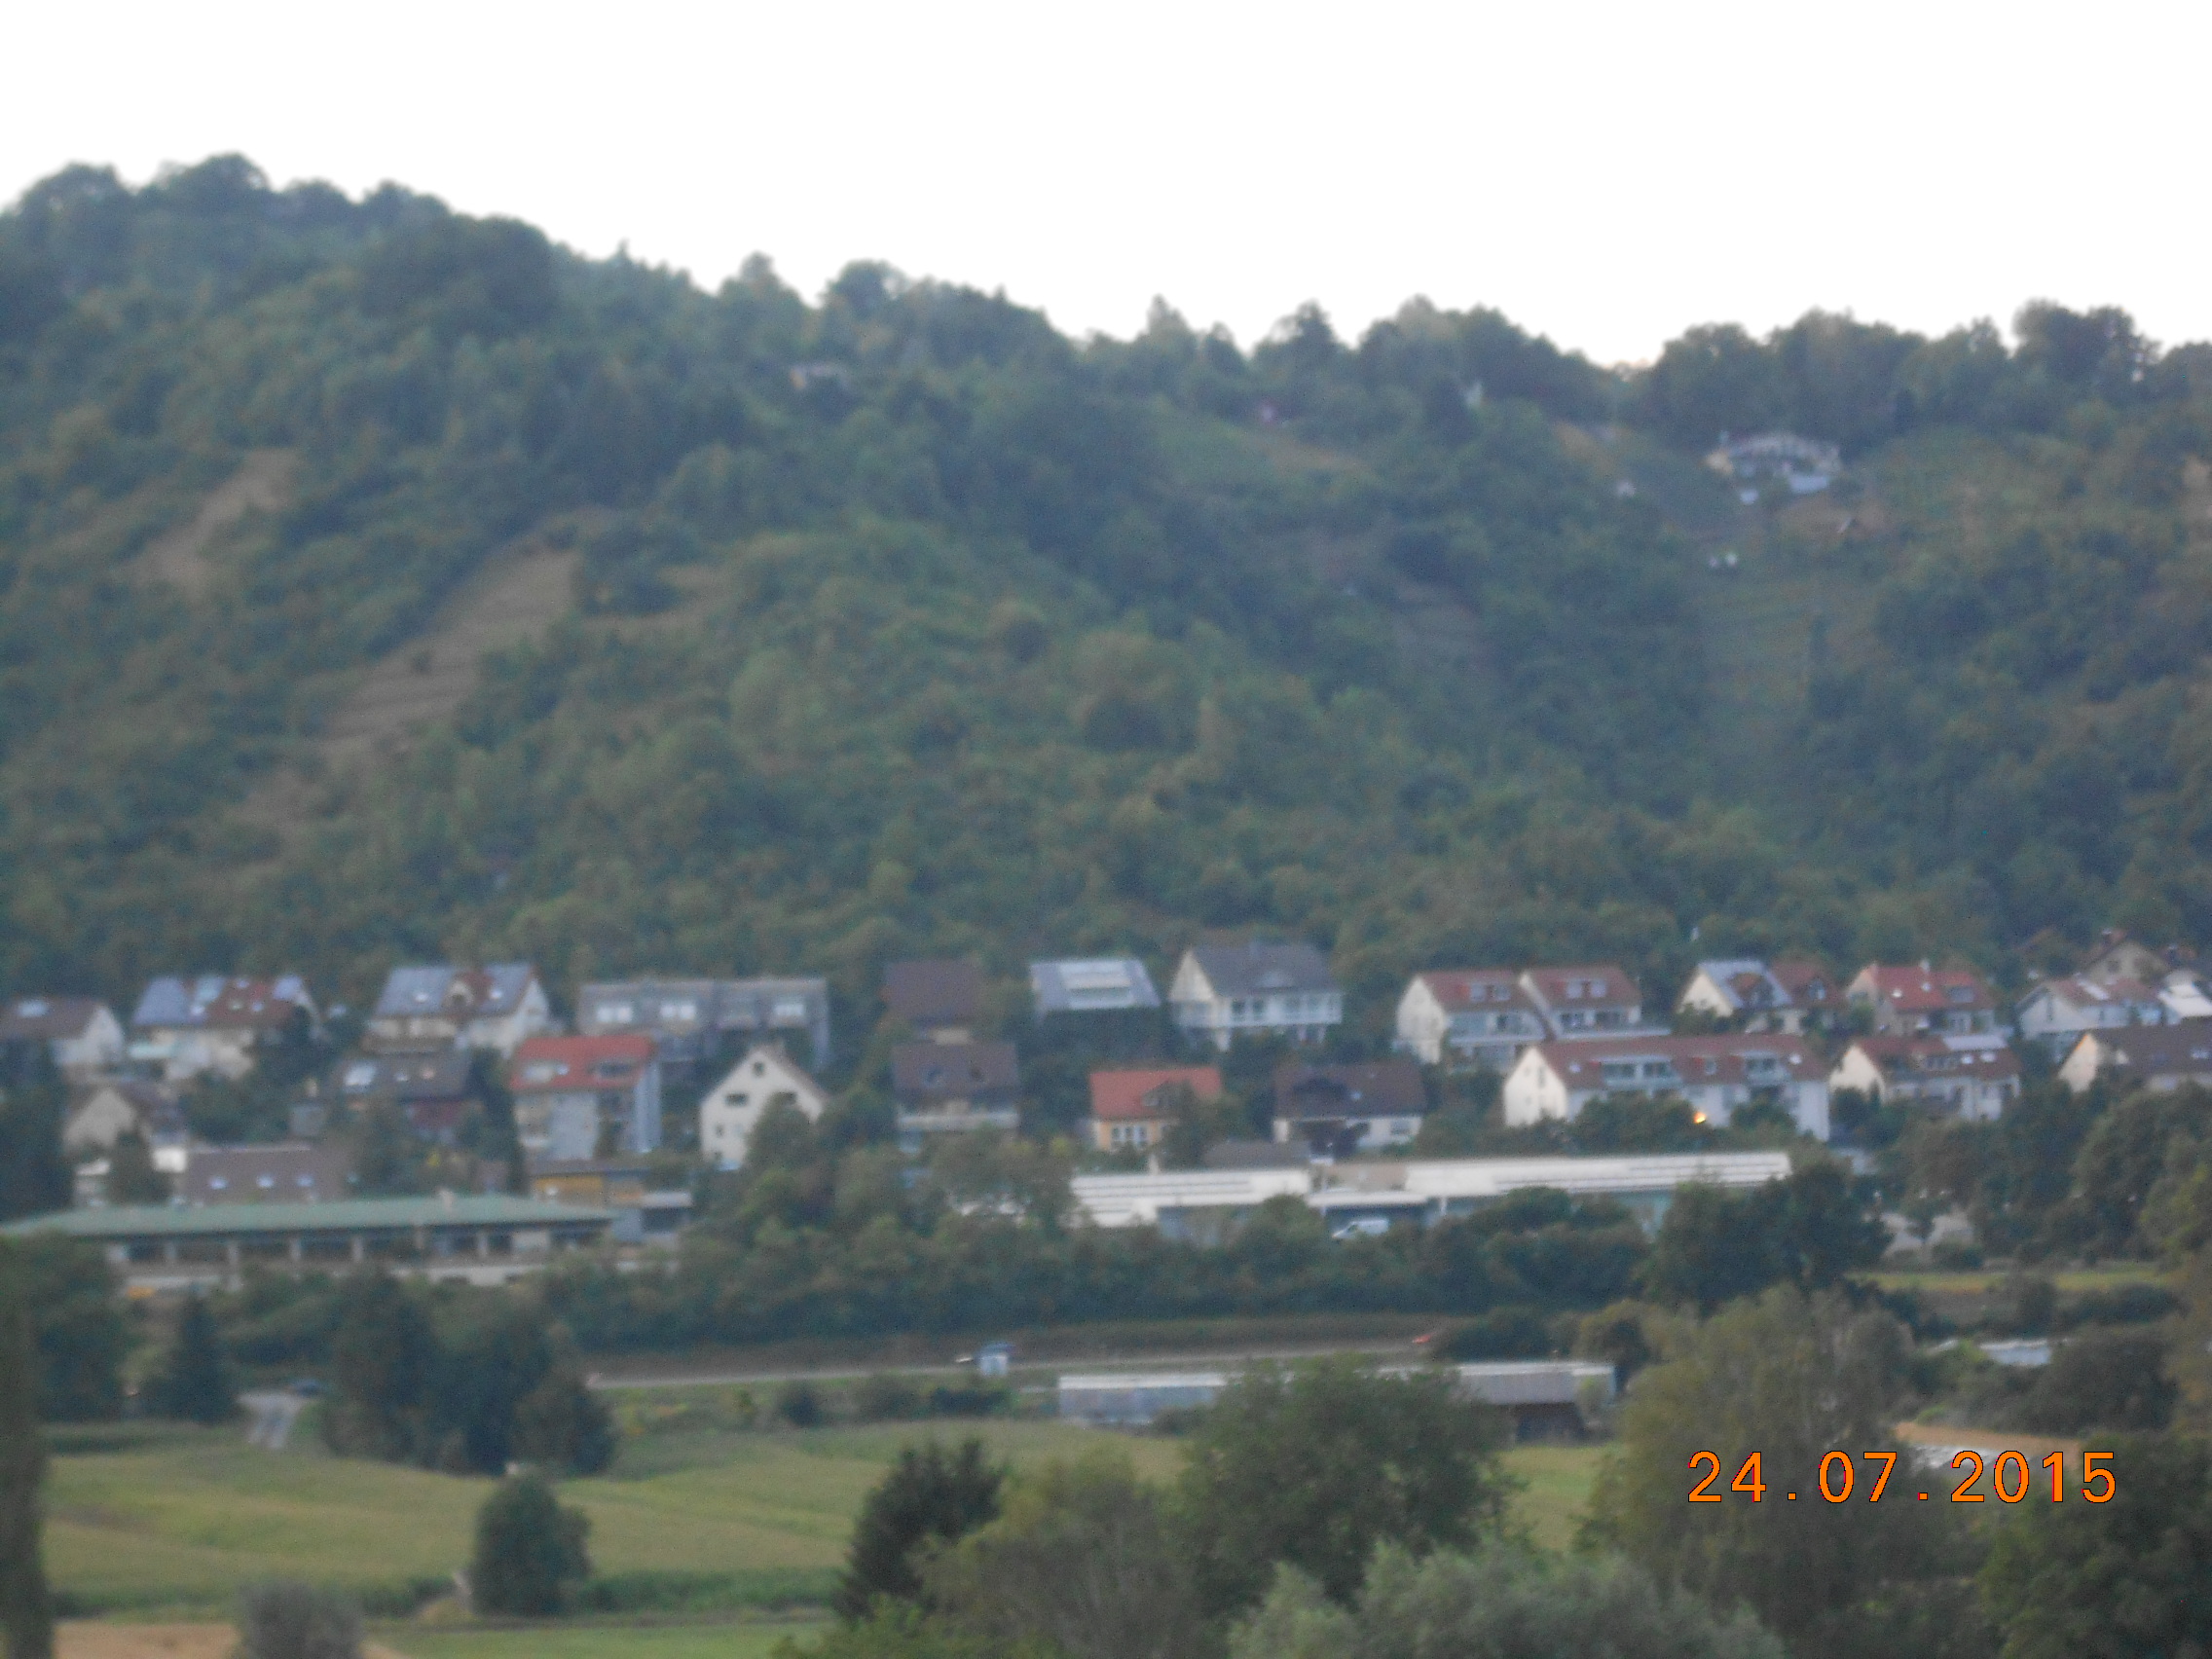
(1589, 1000)
(766, 1077)
(1091, 984)
(1131, 1110)
(1717, 1076)
(1334, 1111)
(2119, 956)
(498, 1006)
(2057, 1012)
(214, 1022)
(1783, 996)
(938, 1000)
(1973, 1081)
(578, 1097)
(1222, 991)
(289, 1172)
(1806, 465)
(694, 1022)
(105, 1111)
(1474, 1016)
(949, 1087)
(436, 1090)
(2143, 1056)
(80, 1033)
(1924, 1000)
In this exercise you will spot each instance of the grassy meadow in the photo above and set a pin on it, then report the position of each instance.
(151, 1522)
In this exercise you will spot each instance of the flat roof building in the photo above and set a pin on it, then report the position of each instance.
(482, 1238)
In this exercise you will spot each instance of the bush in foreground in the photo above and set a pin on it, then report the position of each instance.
(288, 1620)
(1499, 1603)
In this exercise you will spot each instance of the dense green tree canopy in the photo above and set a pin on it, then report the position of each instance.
(895, 621)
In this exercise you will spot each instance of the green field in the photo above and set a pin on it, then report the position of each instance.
(175, 1520)
(649, 1641)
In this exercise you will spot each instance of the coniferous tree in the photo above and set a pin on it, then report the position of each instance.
(26, 1611)
(34, 1175)
(928, 1494)
(195, 1383)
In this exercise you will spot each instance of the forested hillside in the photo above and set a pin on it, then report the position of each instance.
(820, 633)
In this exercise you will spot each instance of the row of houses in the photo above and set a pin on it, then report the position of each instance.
(1559, 1036)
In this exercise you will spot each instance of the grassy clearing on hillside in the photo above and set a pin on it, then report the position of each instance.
(180, 1518)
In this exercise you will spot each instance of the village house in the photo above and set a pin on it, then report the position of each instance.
(948, 1088)
(1717, 1076)
(1974, 1081)
(695, 1023)
(939, 1001)
(289, 1172)
(1924, 1000)
(728, 1112)
(1756, 996)
(579, 1097)
(436, 1090)
(1334, 1111)
(2057, 1012)
(80, 1033)
(1599, 1000)
(498, 1006)
(2117, 955)
(1130, 1111)
(214, 1022)
(1091, 984)
(1222, 991)
(114, 1107)
(1475, 1017)
(2142, 1056)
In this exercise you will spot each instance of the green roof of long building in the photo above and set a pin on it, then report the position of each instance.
(346, 1215)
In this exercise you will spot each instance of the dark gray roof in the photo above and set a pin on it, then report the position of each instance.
(1378, 1089)
(441, 1075)
(54, 1018)
(1246, 969)
(490, 991)
(934, 992)
(287, 1172)
(927, 1071)
(2159, 1051)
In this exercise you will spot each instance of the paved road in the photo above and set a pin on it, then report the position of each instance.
(1396, 1348)
(273, 1414)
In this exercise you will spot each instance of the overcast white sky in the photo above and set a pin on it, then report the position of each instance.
(1605, 173)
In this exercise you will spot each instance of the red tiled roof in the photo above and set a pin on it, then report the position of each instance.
(1808, 983)
(582, 1062)
(1601, 985)
(1924, 990)
(1460, 990)
(1127, 1096)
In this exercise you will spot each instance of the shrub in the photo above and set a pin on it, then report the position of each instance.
(528, 1547)
(288, 1620)
(886, 1399)
(800, 1404)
